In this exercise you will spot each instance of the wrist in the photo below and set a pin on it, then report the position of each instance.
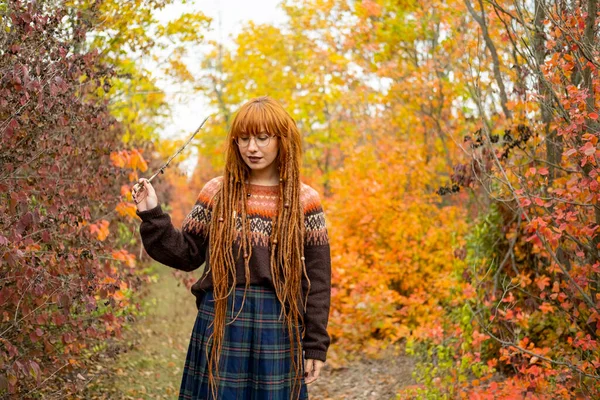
(315, 354)
(150, 213)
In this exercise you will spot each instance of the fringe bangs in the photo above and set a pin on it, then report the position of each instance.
(259, 116)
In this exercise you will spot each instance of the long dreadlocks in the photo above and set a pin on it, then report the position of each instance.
(287, 238)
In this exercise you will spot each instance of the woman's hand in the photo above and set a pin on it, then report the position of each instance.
(144, 195)
(312, 369)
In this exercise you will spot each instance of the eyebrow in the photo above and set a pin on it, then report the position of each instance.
(260, 133)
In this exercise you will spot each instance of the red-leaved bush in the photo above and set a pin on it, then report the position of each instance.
(65, 282)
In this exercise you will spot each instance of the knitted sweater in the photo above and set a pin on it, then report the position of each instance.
(187, 249)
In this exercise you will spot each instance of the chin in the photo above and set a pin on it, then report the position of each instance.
(254, 167)
(258, 167)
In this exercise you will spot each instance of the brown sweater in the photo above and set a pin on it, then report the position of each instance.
(188, 249)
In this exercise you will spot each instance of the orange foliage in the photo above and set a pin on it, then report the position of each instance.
(129, 159)
(126, 209)
(100, 229)
(126, 257)
(393, 245)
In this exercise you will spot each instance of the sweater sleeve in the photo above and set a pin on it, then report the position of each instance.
(318, 268)
(183, 249)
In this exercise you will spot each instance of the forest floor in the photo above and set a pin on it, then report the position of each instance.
(150, 366)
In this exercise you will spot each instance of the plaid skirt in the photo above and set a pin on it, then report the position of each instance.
(255, 360)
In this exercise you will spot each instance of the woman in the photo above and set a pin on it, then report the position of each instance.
(266, 287)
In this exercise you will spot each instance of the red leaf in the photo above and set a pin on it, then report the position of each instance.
(588, 149)
(33, 337)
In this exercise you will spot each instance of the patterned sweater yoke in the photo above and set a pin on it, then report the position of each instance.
(261, 208)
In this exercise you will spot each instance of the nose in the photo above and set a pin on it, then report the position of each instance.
(252, 146)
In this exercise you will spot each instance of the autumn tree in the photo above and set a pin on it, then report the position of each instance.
(130, 38)
(536, 306)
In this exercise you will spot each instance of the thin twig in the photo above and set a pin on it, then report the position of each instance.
(137, 188)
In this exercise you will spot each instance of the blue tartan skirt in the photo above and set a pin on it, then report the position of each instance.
(255, 360)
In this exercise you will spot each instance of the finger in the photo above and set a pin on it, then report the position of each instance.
(308, 365)
(139, 196)
(317, 370)
(138, 187)
(309, 369)
(146, 184)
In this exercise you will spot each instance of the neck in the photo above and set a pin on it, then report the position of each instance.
(264, 177)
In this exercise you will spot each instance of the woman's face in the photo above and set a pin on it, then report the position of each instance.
(259, 151)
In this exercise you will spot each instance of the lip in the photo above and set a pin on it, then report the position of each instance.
(254, 159)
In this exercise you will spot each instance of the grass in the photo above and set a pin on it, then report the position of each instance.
(151, 363)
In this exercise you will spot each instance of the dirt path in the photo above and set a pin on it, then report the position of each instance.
(151, 366)
(377, 379)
